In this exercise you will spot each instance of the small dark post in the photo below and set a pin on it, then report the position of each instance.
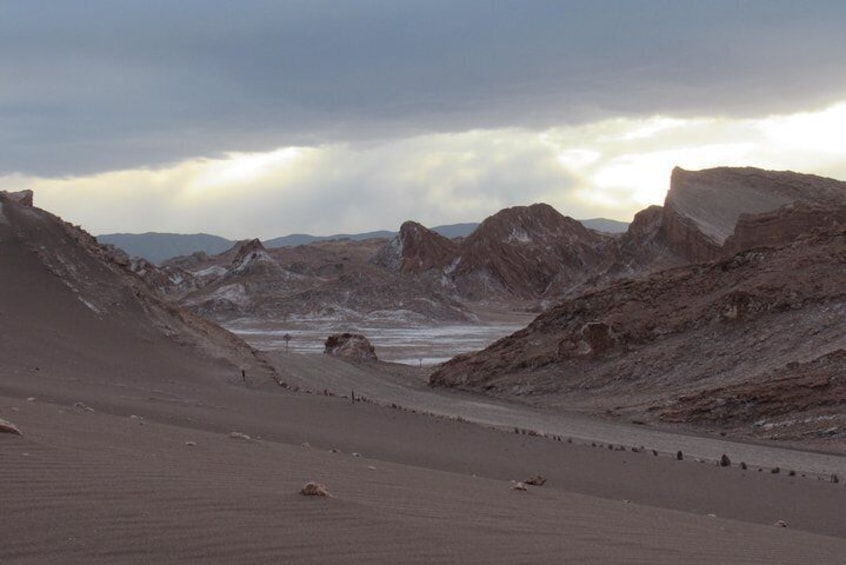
(286, 338)
(243, 375)
(352, 396)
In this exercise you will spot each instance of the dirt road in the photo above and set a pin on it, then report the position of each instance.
(408, 389)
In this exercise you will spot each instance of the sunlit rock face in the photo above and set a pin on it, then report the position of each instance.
(710, 213)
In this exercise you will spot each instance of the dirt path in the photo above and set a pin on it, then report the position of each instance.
(320, 372)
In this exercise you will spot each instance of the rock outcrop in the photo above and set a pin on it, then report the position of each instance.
(252, 258)
(524, 252)
(529, 252)
(641, 344)
(350, 346)
(703, 209)
(22, 197)
(417, 249)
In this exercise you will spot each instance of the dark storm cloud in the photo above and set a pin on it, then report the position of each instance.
(99, 86)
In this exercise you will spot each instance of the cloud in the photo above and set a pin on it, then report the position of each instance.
(611, 168)
(92, 87)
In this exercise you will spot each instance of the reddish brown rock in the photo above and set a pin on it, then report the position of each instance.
(417, 249)
(22, 197)
(351, 346)
(703, 209)
(700, 333)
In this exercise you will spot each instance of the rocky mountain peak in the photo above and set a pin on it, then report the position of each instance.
(416, 249)
(527, 251)
(22, 197)
(423, 249)
(251, 256)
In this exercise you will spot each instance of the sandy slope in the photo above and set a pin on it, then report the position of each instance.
(90, 487)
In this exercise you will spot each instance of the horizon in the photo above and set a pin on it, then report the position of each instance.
(329, 235)
(333, 118)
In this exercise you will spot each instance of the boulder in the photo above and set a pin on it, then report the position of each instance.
(352, 346)
(312, 488)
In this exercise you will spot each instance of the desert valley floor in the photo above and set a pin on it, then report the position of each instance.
(149, 471)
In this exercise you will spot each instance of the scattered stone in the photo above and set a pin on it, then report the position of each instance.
(515, 485)
(781, 524)
(31, 399)
(835, 478)
(82, 406)
(238, 435)
(191, 443)
(743, 465)
(371, 467)
(725, 461)
(334, 450)
(8, 427)
(536, 481)
(775, 470)
(355, 454)
(305, 444)
(679, 455)
(312, 488)
(712, 515)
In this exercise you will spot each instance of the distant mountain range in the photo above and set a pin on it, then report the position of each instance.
(158, 247)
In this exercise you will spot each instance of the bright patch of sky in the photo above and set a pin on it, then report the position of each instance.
(611, 168)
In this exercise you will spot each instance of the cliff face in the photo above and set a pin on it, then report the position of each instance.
(784, 224)
(703, 209)
(642, 248)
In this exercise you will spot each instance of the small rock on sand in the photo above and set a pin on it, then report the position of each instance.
(8, 427)
(781, 524)
(312, 488)
(238, 435)
(536, 481)
(191, 443)
(516, 485)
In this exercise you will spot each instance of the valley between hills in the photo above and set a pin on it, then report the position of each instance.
(689, 371)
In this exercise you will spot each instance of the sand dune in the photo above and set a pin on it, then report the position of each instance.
(89, 487)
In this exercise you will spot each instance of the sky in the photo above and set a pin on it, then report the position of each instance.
(264, 118)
